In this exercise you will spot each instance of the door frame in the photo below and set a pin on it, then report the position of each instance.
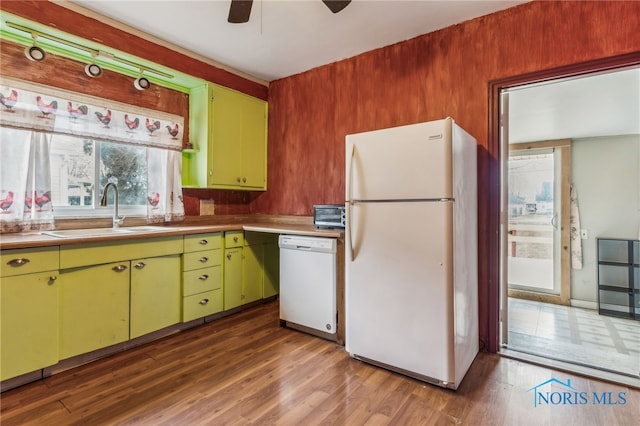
(563, 147)
(489, 252)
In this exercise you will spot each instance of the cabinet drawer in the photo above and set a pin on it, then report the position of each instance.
(201, 304)
(201, 259)
(26, 261)
(200, 280)
(198, 242)
(233, 239)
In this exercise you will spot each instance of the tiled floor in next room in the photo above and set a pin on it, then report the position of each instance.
(576, 335)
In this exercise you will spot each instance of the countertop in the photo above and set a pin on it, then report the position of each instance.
(271, 224)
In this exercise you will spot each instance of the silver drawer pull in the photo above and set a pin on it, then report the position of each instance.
(52, 279)
(204, 259)
(119, 268)
(204, 242)
(203, 277)
(204, 301)
(235, 239)
(229, 256)
(139, 265)
(18, 262)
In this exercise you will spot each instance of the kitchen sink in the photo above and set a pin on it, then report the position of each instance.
(100, 232)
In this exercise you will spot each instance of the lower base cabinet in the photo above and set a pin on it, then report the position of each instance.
(94, 308)
(233, 278)
(29, 315)
(155, 294)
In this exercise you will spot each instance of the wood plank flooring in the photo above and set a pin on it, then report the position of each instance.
(245, 369)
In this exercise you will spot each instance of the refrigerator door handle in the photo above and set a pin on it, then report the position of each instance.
(350, 236)
(349, 200)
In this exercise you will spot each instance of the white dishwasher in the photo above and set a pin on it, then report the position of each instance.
(308, 284)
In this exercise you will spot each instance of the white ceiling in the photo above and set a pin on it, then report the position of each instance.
(286, 37)
(597, 105)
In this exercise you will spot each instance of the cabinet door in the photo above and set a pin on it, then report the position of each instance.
(252, 274)
(94, 308)
(29, 315)
(254, 143)
(226, 149)
(232, 278)
(271, 265)
(155, 294)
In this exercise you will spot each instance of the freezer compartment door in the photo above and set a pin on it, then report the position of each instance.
(399, 293)
(407, 162)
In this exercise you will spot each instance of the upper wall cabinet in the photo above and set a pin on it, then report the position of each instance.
(229, 131)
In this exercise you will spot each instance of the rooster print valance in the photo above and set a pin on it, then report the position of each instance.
(33, 106)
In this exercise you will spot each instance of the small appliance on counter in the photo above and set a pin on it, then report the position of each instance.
(329, 215)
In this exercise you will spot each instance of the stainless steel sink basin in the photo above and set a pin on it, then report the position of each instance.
(100, 232)
(94, 232)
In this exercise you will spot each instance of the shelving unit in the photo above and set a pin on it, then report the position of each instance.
(618, 280)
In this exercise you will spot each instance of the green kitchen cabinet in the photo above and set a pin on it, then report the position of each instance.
(29, 302)
(233, 260)
(99, 291)
(261, 266)
(94, 307)
(252, 273)
(271, 267)
(202, 275)
(229, 133)
(232, 278)
(156, 296)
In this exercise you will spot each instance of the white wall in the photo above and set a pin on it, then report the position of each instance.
(606, 173)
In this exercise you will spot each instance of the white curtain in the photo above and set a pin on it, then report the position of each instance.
(164, 184)
(25, 181)
(34, 107)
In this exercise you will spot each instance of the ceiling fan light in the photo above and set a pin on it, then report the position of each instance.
(141, 83)
(93, 70)
(34, 53)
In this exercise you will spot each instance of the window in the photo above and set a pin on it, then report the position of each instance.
(57, 160)
(80, 168)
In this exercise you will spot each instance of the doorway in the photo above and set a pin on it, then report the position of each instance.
(536, 316)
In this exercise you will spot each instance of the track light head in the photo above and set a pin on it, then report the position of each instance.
(93, 70)
(141, 83)
(34, 53)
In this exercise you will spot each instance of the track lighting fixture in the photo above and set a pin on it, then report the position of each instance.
(34, 53)
(141, 83)
(93, 70)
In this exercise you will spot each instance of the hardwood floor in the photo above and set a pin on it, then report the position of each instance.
(245, 369)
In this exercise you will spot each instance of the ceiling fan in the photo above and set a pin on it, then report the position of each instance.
(241, 9)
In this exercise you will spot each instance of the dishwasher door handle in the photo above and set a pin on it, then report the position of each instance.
(303, 248)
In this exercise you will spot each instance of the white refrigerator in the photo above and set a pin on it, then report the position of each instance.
(411, 250)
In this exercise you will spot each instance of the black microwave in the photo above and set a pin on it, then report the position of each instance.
(329, 215)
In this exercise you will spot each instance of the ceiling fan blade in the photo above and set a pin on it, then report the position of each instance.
(336, 5)
(239, 11)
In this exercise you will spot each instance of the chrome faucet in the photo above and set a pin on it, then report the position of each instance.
(117, 220)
